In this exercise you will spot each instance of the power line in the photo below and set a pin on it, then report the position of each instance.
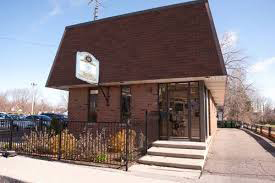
(28, 42)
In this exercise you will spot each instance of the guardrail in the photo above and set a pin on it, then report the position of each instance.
(263, 130)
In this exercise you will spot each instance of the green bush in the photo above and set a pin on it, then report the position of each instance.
(101, 158)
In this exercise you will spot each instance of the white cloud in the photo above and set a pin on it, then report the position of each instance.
(55, 10)
(262, 65)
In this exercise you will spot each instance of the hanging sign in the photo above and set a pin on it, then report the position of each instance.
(87, 67)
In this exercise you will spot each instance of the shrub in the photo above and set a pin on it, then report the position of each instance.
(37, 142)
(101, 158)
(68, 143)
(56, 125)
(87, 146)
(4, 146)
(118, 141)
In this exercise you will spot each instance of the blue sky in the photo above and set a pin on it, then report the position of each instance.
(31, 30)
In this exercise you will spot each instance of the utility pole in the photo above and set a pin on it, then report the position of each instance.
(33, 95)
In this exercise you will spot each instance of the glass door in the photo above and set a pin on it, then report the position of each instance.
(163, 111)
(179, 109)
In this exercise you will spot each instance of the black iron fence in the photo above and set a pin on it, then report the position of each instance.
(112, 143)
(264, 130)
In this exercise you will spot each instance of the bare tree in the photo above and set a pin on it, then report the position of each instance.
(4, 103)
(20, 99)
(233, 57)
(238, 104)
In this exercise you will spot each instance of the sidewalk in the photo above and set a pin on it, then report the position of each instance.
(234, 156)
(34, 170)
(240, 155)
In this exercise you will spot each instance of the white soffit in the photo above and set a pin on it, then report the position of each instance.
(216, 84)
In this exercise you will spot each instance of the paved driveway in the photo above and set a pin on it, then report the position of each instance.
(240, 155)
(235, 156)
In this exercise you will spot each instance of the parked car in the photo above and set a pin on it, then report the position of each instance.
(60, 117)
(4, 121)
(4, 116)
(63, 119)
(32, 121)
(14, 116)
(45, 120)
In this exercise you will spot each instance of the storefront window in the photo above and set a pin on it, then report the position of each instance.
(195, 109)
(125, 103)
(93, 105)
(163, 109)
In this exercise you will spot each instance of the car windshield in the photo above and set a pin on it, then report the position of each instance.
(51, 115)
(29, 117)
(14, 116)
(45, 118)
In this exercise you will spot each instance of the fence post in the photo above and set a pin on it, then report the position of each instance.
(269, 131)
(11, 134)
(59, 141)
(127, 143)
(146, 131)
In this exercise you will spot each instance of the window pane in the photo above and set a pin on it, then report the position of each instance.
(92, 105)
(163, 110)
(178, 109)
(125, 103)
(195, 110)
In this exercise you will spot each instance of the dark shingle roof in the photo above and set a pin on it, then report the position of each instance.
(169, 42)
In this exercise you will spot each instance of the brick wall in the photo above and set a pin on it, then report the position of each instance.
(109, 113)
(144, 97)
(78, 104)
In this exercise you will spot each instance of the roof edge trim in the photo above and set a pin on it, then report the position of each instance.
(55, 58)
(215, 36)
(137, 13)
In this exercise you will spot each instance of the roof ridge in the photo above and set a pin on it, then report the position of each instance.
(138, 12)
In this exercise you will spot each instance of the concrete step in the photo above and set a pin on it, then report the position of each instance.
(187, 163)
(180, 144)
(177, 152)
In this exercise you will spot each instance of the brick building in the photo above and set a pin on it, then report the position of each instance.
(165, 60)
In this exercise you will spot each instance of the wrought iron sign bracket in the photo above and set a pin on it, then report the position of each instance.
(107, 97)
